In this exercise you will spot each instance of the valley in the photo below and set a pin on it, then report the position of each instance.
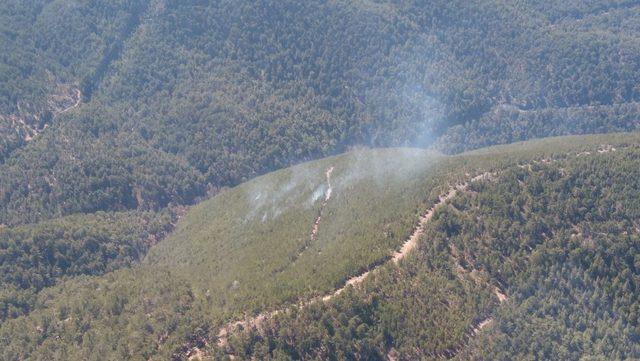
(319, 180)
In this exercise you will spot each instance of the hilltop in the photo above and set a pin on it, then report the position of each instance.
(311, 179)
(480, 235)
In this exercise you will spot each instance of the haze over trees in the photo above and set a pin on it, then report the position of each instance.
(218, 92)
(116, 116)
(562, 241)
(557, 215)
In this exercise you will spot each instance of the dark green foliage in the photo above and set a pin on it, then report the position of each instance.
(71, 172)
(46, 43)
(184, 290)
(234, 89)
(573, 252)
(510, 124)
(47, 48)
(89, 318)
(562, 238)
(181, 99)
(37, 256)
(422, 310)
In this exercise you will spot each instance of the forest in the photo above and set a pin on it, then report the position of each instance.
(535, 260)
(560, 238)
(220, 92)
(34, 257)
(162, 161)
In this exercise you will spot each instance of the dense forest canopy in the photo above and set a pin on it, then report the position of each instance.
(536, 259)
(38, 256)
(116, 116)
(221, 91)
(560, 238)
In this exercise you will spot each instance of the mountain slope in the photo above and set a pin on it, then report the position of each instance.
(279, 237)
(48, 48)
(35, 257)
(555, 239)
(220, 92)
(254, 248)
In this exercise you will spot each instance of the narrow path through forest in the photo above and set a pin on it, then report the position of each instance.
(406, 248)
(410, 244)
(78, 100)
(32, 132)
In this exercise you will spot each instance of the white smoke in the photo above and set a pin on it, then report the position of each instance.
(307, 184)
(270, 195)
(317, 194)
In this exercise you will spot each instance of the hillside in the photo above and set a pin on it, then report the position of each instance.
(183, 98)
(311, 179)
(538, 261)
(48, 47)
(34, 257)
(527, 250)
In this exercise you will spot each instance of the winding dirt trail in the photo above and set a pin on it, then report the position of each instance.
(498, 292)
(412, 242)
(406, 248)
(33, 131)
(196, 353)
(258, 319)
(78, 100)
(502, 297)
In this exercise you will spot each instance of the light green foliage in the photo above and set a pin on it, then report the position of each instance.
(424, 308)
(251, 247)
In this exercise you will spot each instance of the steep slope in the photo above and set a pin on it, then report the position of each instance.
(38, 256)
(220, 92)
(254, 250)
(281, 238)
(558, 234)
(49, 48)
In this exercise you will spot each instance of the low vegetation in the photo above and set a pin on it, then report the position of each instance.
(227, 261)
